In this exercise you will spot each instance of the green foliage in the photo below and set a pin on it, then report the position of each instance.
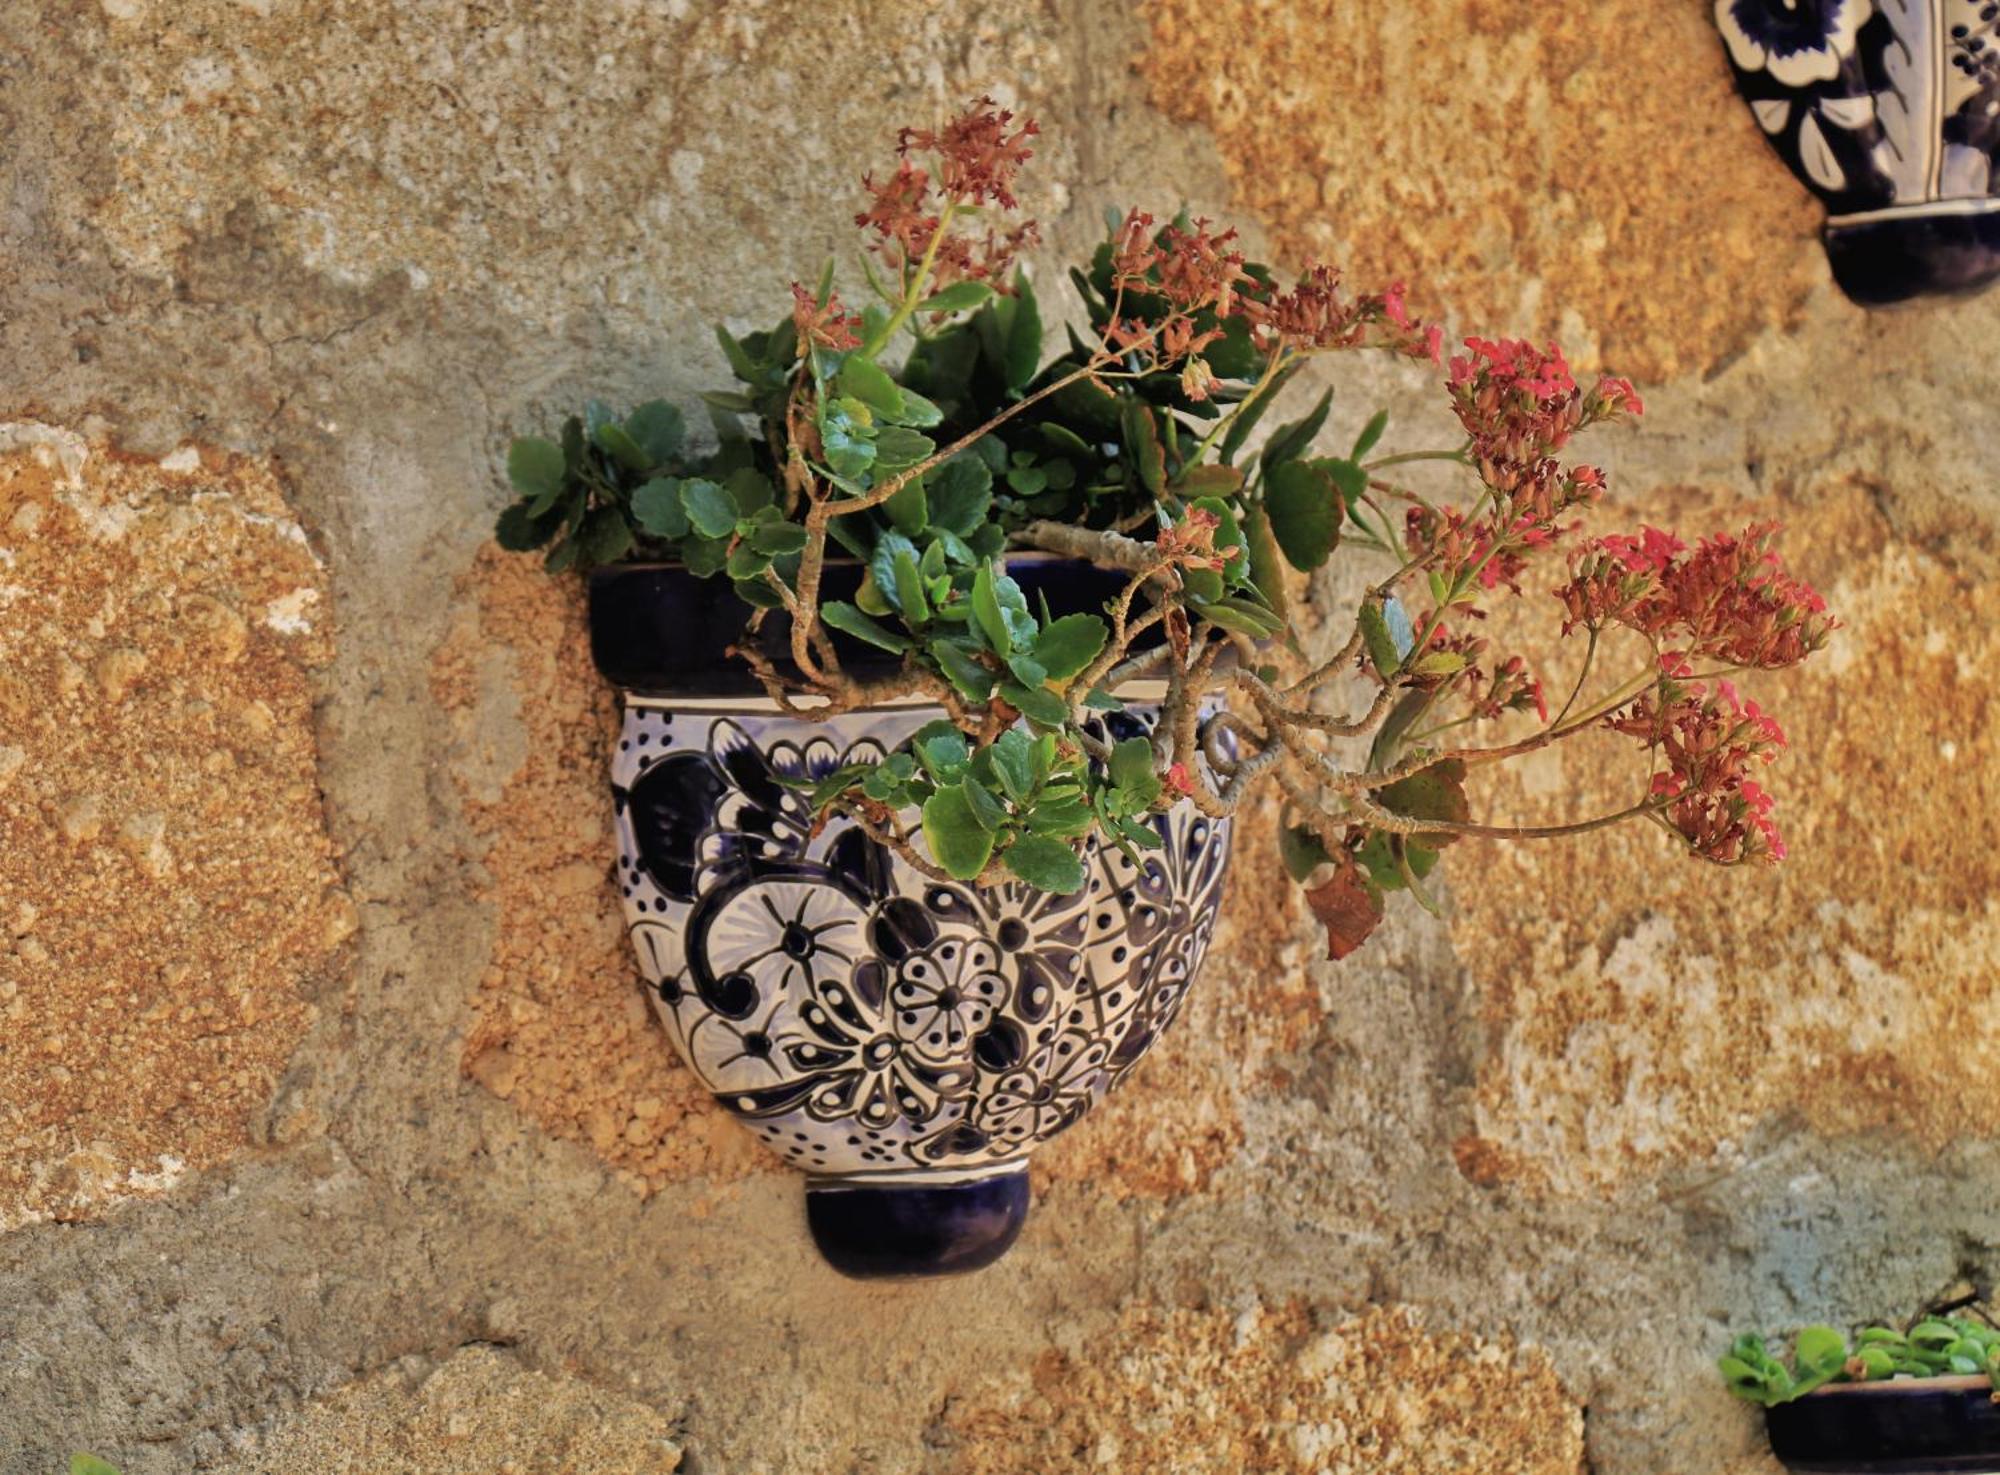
(83, 1464)
(1935, 1347)
(1131, 450)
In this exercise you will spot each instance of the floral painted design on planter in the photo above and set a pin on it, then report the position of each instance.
(905, 1042)
(1889, 111)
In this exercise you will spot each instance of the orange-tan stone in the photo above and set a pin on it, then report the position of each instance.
(1648, 1012)
(561, 1027)
(1574, 171)
(168, 891)
(1276, 1389)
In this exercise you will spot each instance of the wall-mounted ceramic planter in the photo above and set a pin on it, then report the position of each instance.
(905, 1043)
(1928, 1426)
(1889, 111)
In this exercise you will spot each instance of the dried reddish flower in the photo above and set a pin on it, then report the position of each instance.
(896, 211)
(979, 153)
(1191, 541)
(829, 327)
(977, 161)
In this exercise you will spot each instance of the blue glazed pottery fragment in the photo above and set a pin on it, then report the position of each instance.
(1926, 1426)
(1889, 111)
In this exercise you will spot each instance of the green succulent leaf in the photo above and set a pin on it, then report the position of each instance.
(1036, 703)
(897, 447)
(1014, 763)
(710, 509)
(1253, 409)
(958, 297)
(658, 509)
(618, 444)
(1437, 792)
(1046, 863)
(1304, 505)
(961, 494)
(536, 467)
(1143, 445)
(845, 617)
(1065, 646)
(910, 598)
(1023, 352)
(973, 681)
(1001, 610)
(1288, 442)
(519, 530)
(869, 382)
(658, 429)
(957, 840)
(604, 538)
(1370, 434)
(778, 538)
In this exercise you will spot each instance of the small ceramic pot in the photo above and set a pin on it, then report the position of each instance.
(1889, 111)
(905, 1043)
(1907, 1426)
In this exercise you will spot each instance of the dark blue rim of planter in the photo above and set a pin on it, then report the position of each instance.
(898, 1231)
(657, 630)
(1904, 1427)
(1932, 251)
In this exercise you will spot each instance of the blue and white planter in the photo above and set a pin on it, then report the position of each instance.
(905, 1043)
(1889, 111)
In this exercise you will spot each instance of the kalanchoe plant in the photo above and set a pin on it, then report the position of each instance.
(1935, 1347)
(929, 434)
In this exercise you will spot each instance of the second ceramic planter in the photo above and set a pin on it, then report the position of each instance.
(1928, 1426)
(1889, 111)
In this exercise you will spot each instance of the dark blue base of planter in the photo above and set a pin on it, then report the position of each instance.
(1899, 258)
(874, 1232)
(1914, 1428)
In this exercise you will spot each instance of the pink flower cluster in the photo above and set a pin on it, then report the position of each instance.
(1710, 740)
(1519, 405)
(1728, 600)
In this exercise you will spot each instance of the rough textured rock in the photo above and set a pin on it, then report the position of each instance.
(168, 897)
(1514, 1175)
(1643, 1026)
(560, 1025)
(1274, 1389)
(1519, 162)
(477, 1410)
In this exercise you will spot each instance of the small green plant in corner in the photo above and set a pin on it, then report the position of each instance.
(946, 424)
(83, 1464)
(1935, 1347)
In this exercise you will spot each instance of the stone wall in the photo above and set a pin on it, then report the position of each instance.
(333, 1131)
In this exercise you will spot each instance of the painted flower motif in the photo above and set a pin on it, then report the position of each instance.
(777, 940)
(734, 1056)
(738, 807)
(1041, 935)
(1797, 41)
(1048, 1093)
(944, 997)
(874, 1081)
